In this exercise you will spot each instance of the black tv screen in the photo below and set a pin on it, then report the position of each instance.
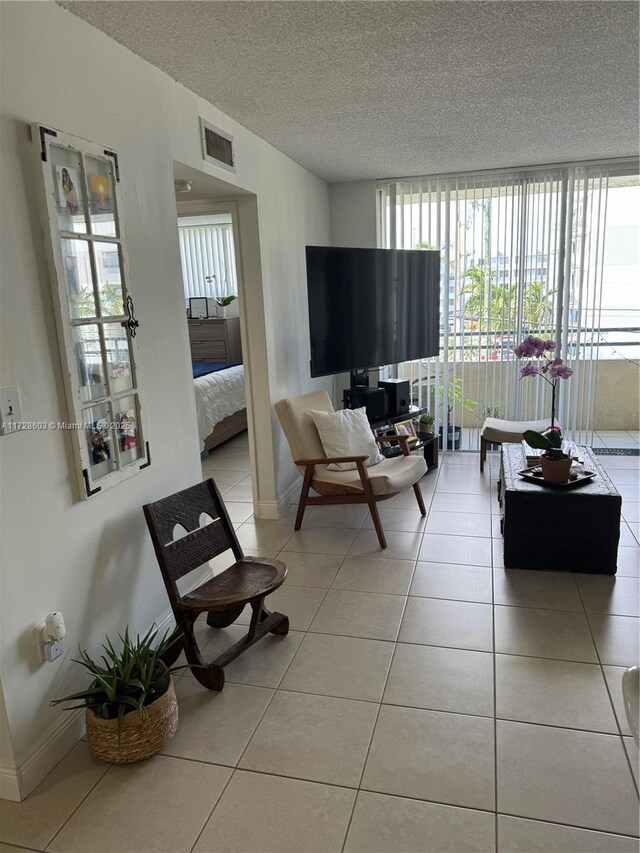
(370, 307)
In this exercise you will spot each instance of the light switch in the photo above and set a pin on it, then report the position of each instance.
(10, 410)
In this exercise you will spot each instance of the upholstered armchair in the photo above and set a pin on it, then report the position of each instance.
(362, 484)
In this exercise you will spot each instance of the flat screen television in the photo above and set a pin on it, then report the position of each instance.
(371, 307)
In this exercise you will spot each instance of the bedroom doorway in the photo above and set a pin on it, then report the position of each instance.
(207, 234)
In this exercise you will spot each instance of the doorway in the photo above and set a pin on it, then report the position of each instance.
(212, 284)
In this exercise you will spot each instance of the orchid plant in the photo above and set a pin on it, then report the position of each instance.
(552, 369)
(222, 301)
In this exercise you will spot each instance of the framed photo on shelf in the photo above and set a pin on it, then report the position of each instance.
(198, 307)
(406, 428)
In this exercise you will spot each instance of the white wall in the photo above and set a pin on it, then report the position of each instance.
(93, 560)
(353, 214)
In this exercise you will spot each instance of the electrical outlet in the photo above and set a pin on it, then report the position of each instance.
(10, 410)
(52, 651)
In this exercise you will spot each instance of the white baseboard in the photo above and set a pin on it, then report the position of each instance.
(276, 509)
(9, 784)
(50, 748)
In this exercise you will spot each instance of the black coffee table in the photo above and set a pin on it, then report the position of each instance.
(545, 527)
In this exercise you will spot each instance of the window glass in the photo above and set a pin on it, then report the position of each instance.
(69, 197)
(129, 441)
(101, 196)
(77, 272)
(108, 270)
(118, 357)
(88, 349)
(99, 437)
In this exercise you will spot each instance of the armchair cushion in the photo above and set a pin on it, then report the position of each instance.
(387, 477)
(346, 433)
(500, 431)
(298, 426)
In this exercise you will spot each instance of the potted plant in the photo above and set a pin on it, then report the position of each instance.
(131, 708)
(556, 464)
(425, 424)
(223, 302)
(455, 398)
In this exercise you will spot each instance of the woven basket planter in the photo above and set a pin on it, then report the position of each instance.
(140, 737)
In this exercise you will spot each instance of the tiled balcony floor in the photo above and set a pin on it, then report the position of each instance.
(426, 699)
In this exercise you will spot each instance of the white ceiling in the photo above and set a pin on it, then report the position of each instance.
(355, 90)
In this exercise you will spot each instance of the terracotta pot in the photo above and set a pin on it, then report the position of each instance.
(555, 470)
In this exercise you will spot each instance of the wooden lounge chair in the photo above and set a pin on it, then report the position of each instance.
(248, 581)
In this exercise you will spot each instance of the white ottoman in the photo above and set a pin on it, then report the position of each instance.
(496, 431)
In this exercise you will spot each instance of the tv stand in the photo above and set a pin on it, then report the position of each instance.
(427, 444)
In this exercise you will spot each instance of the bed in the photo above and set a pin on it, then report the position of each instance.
(220, 402)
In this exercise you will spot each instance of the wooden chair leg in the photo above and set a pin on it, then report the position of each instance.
(173, 652)
(375, 515)
(419, 498)
(371, 501)
(281, 627)
(209, 675)
(483, 453)
(306, 485)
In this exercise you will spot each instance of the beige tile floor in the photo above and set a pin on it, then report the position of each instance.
(425, 699)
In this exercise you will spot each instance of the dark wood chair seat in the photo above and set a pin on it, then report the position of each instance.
(206, 533)
(245, 581)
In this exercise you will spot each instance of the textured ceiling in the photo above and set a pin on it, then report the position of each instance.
(356, 90)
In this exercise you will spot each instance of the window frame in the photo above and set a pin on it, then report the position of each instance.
(89, 482)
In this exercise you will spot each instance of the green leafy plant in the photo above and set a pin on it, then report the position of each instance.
(126, 680)
(490, 306)
(493, 410)
(223, 301)
(455, 397)
(550, 441)
(110, 301)
(426, 418)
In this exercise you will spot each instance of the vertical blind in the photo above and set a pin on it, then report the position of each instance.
(521, 253)
(206, 250)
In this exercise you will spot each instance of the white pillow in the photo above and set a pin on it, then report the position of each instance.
(346, 433)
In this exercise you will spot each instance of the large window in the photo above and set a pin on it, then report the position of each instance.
(94, 308)
(549, 251)
(207, 255)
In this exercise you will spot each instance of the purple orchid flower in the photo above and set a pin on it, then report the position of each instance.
(536, 343)
(551, 369)
(529, 369)
(526, 349)
(560, 371)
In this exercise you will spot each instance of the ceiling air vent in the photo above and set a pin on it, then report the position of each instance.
(217, 146)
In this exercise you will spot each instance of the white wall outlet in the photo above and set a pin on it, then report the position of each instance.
(10, 411)
(52, 651)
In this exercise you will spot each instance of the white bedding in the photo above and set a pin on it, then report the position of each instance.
(218, 395)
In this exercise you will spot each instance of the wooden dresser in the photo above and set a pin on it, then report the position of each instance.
(215, 340)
